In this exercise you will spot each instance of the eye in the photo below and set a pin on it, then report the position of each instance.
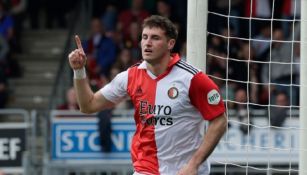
(156, 37)
(144, 36)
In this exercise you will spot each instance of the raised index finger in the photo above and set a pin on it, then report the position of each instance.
(78, 41)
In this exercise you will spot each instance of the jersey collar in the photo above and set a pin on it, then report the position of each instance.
(175, 58)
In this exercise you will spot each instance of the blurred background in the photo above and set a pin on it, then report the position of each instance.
(36, 81)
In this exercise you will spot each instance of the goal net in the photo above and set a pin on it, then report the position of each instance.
(253, 53)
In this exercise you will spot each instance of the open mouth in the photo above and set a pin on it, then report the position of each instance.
(147, 50)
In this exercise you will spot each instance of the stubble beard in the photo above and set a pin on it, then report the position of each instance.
(155, 59)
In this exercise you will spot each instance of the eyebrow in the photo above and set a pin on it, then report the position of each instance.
(154, 35)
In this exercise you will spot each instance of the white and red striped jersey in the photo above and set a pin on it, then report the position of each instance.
(169, 114)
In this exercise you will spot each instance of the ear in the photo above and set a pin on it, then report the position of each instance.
(171, 44)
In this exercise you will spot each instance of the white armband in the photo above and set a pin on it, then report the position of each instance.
(80, 73)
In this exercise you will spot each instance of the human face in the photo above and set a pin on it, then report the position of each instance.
(155, 45)
(96, 26)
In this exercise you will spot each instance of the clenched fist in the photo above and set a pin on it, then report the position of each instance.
(77, 58)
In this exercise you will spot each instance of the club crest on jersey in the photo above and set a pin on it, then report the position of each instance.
(213, 97)
(173, 93)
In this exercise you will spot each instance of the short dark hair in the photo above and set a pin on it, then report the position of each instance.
(163, 23)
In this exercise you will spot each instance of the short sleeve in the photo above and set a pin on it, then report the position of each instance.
(205, 96)
(116, 90)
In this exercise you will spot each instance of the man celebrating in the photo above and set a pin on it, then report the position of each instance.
(171, 99)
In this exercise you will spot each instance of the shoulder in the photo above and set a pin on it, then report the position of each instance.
(122, 75)
(134, 68)
(187, 67)
(202, 81)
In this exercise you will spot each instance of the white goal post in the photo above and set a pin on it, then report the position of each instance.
(197, 33)
(303, 91)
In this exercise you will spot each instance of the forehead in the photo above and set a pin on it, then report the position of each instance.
(153, 31)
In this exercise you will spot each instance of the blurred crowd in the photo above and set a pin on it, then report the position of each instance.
(112, 44)
(253, 49)
(240, 56)
(12, 14)
(239, 45)
(256, 50)
(15, 16)
(115, 31)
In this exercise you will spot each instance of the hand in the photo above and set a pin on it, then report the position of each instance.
(187, 170)
(77, 58)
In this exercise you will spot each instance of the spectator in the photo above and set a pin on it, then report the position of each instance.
(4, 50)
(6, 24)
(239, 68)
(71, 102)
(297, 60)
(101, 52)
(179, 9)
(281, 70)
(109, 19)
(278, 113)
(18, 11)
(135, 14)
(291, 9)
(216, 50)
(105, 130)
(164, 9)
(3, 87)
(132, 42)
(124, 61)
(262, 43)
(114, 71)
(222, 7)
(242, 113)
(257, 9)
(7, 32)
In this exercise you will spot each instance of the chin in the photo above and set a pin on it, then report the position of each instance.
(148, 59)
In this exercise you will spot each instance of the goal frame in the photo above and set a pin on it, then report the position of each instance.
(303, 91)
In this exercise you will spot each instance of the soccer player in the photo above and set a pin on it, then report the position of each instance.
(171, 99)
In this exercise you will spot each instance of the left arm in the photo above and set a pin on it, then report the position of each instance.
(214, 133)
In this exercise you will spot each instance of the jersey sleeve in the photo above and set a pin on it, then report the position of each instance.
(205, 96)
(116, 90)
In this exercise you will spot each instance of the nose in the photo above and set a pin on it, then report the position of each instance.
(148, 42)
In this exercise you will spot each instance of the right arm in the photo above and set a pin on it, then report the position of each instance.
(89, 102)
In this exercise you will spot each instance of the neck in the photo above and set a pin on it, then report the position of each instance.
(159, 67)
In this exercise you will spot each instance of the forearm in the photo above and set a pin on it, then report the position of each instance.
(214, 133)
(89, 102)
(84, 94)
